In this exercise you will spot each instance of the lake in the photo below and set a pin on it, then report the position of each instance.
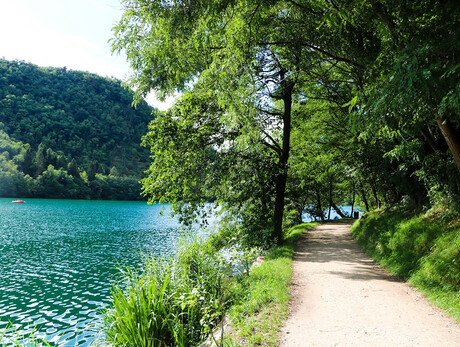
(58, 259)
(306, 217)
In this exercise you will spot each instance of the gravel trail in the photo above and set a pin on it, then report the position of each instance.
(340, 297)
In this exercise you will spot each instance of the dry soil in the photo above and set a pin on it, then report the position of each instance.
(340, 297)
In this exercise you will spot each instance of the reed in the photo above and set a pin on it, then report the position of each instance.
(20, 339)
(172, 302)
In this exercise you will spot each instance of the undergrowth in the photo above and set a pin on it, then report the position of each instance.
(422, 249)
(172, 302)
(181, 300)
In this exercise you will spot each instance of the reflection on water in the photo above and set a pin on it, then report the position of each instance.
(58, 259)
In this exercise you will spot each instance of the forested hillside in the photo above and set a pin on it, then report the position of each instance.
(69, 134)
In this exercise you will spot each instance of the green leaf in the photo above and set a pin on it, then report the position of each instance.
(351, 104)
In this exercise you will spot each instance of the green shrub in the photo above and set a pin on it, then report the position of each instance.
(174, 302)
(179, 301)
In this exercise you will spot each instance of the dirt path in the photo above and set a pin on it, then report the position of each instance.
(340, 297)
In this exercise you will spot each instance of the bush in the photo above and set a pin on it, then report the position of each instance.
(179, 301)
(174, 302)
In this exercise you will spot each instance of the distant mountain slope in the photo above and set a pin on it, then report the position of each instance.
(80, 123)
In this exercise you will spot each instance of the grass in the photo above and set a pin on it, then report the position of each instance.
(180, 301)
(173, 302)
(265, 294)
(21, 339)
(423, 249)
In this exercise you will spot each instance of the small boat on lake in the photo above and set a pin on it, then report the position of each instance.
(19, 201)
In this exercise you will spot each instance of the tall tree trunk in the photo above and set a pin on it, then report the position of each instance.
(364, 197)
(429, 139)
(298, 218)
(450, 136)
(280, 191)
(281, 179)
(300, 209)
(353, 201)
(337, 209)
(330, 200)
(375, 194)
(319, 208)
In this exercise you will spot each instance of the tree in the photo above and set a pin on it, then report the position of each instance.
(72, 168)
(265, 63)
(40, 159)
(401, 71)
(409, 101)
(114, 172)
(27, 165)
(250, 54)
(423, 74)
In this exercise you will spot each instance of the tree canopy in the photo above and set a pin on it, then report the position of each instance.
(294, 104)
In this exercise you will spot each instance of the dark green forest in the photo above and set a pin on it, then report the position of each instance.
(69, 134)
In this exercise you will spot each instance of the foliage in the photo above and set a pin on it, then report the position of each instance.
(414, 76)
(422, 249)
(227, 59)
(179, 301)
(298, 105)
(171, 302)
(63, 132)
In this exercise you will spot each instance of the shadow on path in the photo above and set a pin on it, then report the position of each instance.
(334, 243)
(340, 297)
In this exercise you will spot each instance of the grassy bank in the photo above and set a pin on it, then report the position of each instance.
(172, 302)
(179, 301)
(422, 249)
(261, 305)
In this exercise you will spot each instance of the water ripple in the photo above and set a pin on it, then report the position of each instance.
(58, 259)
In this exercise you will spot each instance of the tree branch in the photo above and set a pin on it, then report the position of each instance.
(274, 144)
(277, 149)
(269, 113)
(315, 48)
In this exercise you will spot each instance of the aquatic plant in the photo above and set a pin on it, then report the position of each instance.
(175, 301)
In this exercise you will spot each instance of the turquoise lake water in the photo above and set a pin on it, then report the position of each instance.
(58, 259)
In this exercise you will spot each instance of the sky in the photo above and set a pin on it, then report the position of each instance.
(70, 33)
